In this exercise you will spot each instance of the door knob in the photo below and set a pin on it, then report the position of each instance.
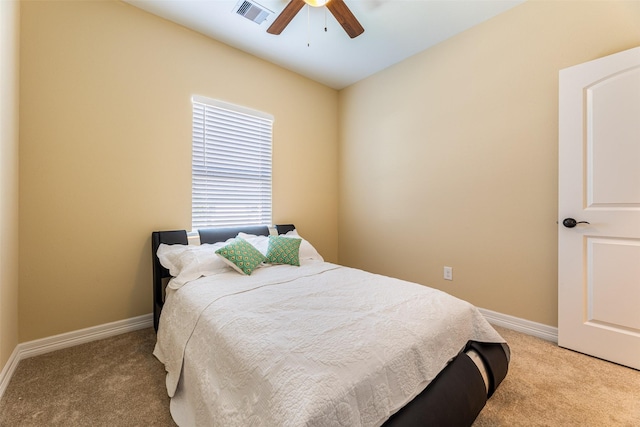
(570, 222)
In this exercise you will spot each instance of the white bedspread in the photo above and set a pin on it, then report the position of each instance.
(316, 345)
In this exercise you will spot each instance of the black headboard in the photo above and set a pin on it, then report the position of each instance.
(284, 228)
(213, 235)
(179, 237)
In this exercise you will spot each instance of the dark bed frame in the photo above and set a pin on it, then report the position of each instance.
(453, 399)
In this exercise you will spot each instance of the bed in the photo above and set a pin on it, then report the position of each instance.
(316, 344)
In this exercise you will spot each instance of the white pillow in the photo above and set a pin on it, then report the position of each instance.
(189, 262)
(307, 251)
(261, 243)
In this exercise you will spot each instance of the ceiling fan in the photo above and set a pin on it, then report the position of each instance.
(337, 8)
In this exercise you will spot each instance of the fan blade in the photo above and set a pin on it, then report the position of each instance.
(287, 14)
(344, 16)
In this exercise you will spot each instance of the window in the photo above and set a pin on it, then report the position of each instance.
(231, 165)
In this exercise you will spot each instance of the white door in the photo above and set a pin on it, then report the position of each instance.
(599, 182)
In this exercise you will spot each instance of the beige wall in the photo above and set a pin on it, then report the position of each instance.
(105, 124)
(450, 157)
(9, 77)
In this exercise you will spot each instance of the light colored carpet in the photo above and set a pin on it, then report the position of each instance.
(551, 386)
(111, 382)
(118, 382)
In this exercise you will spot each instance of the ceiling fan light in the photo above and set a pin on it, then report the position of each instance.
(316, 3)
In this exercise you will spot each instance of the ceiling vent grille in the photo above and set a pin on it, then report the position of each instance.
(252, 11)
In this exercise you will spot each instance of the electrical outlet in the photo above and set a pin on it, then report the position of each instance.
(448, 273)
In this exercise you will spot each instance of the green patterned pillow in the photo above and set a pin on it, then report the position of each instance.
(283, 250)
(241, 256)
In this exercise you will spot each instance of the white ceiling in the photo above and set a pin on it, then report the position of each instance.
(394, 30)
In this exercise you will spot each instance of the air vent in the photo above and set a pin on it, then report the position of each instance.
(252, 11)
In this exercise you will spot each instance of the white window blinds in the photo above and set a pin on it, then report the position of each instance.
(231, 165)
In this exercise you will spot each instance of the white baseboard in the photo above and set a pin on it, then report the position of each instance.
(69, 339)
(8, 370)
(528, 327)
(81, 336)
